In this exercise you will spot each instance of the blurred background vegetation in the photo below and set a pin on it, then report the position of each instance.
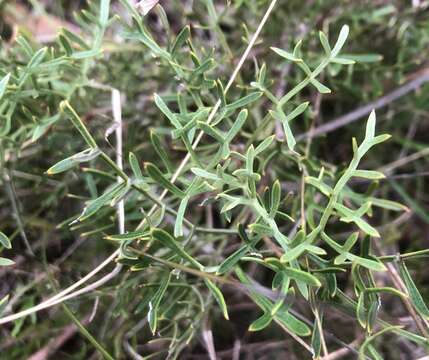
(389, 40)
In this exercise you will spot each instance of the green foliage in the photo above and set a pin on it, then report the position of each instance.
(232, 201)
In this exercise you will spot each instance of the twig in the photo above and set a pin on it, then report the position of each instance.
(56, 343)
(365, 110)
(387, 169)
(337, 354)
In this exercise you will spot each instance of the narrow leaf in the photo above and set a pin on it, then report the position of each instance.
(243, 101)
(178, 226)
(6, 262)
(303, 276)
(132, 235)
(155, 302)
(135, 167)
(72, 161)
(3, 84)
(167, 240)
(156, 175)
(261, 323)
(325, 43)
(77, 122)
(217, 294)
(286, 55)
(4, 241)
(344, 33)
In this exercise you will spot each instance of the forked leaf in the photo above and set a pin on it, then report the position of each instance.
(284, 318)
(238, 123)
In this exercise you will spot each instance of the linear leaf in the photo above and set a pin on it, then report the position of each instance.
(370, 126)
(3, 84)
(132, 235)
(181, 39)
(342, 37)
(264, 145)
(290, 139)
(303, 276)
(157, 175)
(243, 101)
(77, 122)
(167, 240)
(160, 150)
(275, 197)
(72, 161)
(261, 322)
(287, 55)
(320, 87)
(232, 260)
(325, 43)
(135, 167)
(94, 205)
(6, 262)
(369, 174)
(155, 302)
(4, 241)
(166, 111)
(217, 294)
(178, 226)
(415, 296)
(205, 174)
